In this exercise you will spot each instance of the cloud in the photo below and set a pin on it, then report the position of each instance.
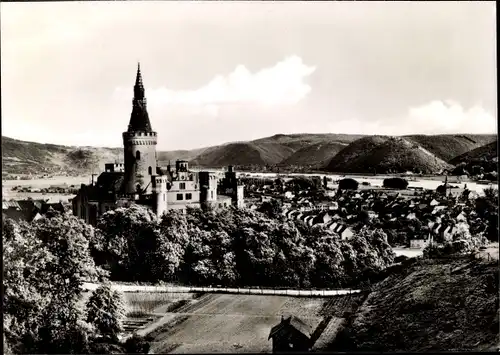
(435, 117)
(450, 117)
(281, 84)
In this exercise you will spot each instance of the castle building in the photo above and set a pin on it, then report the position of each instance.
(139, 179)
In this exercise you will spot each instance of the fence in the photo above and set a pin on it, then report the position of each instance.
(248, 291)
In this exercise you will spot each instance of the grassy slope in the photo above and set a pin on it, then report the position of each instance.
(382, 154)
(430, 306)
(226, 323)
(485, 152)
(447, 147)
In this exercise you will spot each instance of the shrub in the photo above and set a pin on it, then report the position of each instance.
(396, 183)
(348, 184)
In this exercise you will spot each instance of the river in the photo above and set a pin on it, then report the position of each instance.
(374, 181)
(427, 184)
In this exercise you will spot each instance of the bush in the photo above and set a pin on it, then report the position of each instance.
(137, 345)
(396, 183)
(348, 184)
(400, 259)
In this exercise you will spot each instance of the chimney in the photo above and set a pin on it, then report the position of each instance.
(230, 169)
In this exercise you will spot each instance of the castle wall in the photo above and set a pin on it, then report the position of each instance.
(188, 195)
(114, 167)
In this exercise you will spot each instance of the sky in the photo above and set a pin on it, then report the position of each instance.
(218, 72)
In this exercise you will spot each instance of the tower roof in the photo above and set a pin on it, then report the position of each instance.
(139, 119)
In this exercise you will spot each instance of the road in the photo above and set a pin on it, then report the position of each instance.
(87, 286)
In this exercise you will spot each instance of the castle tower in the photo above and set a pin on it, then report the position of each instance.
(159, 188)
(139, 144)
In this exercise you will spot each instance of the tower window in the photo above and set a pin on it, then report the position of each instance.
(150, 171)
(182, 185)
(188, 196)
(179, 197)
(138, 155)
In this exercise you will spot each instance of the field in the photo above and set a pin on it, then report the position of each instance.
(241, 323)
(142, 304)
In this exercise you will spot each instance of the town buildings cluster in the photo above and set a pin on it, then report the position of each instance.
(425, 215)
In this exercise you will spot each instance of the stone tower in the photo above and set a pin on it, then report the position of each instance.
(139, 144)
(160, 202)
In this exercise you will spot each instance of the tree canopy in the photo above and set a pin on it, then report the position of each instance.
(235, 247)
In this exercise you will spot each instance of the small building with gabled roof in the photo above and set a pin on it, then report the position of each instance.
(290, 335)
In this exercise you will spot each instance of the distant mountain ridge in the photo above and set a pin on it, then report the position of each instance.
(333, 152)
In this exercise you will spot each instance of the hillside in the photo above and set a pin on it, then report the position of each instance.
(432, 305)
(338, 152)
(486, 152)
(20, 157)
(384, 154)
(302, 150)
(447, 146)
(299, 141)
(244, 153)
(315, 155)
(166, 156)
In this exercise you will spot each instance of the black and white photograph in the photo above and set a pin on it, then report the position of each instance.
(219, 177)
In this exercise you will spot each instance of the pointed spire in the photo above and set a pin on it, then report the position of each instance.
(138, 78)
(139, 120)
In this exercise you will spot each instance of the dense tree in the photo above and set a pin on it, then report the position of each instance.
(236, 247)
(395, 183)
(120, 237)
(348, 184)
(105, 311)
(460, 169)
(486, 208)
(45, 265)
(272, 208)
(301, 183)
